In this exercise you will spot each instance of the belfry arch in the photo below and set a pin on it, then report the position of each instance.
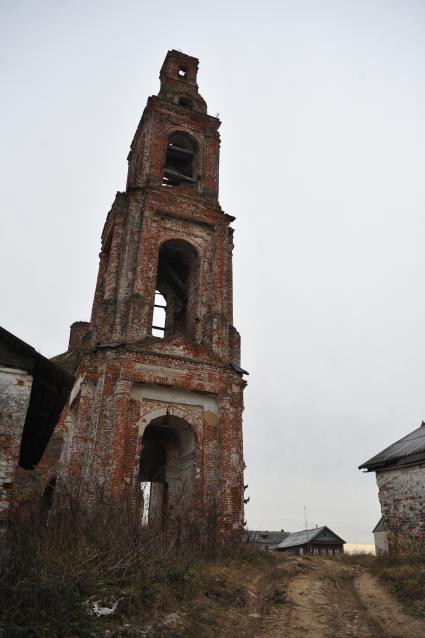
(180, 159)
(177, 280)
(166, 469)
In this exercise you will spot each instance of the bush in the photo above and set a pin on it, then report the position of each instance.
(54, 569)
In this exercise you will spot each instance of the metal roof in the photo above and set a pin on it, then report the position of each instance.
(265, 537)
(408, 446)
(305, 536)
(380, 526)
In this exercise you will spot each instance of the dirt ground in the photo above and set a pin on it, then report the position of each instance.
(329, 599)
(308, 597)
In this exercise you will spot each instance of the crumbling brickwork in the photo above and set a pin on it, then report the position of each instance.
(162, 404)
(401, 494)
(15, 392)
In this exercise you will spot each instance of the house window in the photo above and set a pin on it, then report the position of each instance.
(323, 551)
(315, 550)
(179, 160)
(182, 72)
(301, 550)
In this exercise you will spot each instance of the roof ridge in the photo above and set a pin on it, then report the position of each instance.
(398, 449)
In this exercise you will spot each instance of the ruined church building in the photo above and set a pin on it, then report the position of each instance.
(157, 402)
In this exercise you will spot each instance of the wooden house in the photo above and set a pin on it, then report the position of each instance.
(265, 540)
(320, 541)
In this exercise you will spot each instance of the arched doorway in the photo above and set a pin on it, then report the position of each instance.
(166, 469)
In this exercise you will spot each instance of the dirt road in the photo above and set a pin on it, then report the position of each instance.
(288, 597)
(317, 598)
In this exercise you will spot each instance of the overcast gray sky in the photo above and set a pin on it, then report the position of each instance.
(322, 163)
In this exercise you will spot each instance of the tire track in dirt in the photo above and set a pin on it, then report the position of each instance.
(387, 611)
(326, 599)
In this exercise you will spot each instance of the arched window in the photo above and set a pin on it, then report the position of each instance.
(179, 161)
(186, 102)
(177, 284)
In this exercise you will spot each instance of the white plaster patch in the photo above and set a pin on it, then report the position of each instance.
(76, 389)
(169, 375)
(142, 391)
(402, 494)
(15, 371)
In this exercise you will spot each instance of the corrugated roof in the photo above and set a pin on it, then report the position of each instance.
(265, 537)
(413, 443)
(305, 536)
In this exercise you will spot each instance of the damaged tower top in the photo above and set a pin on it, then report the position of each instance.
(178, 81)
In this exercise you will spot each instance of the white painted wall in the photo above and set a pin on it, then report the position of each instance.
(15, 392)
(402, 494)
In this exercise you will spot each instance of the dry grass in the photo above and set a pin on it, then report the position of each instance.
(53, 569)
(403, 572)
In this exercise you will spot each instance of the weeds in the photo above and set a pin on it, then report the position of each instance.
(402, 571)
(55, 570)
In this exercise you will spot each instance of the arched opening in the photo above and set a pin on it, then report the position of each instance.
(179, 160)
(177, 284)
(186, 102)
(166, 469)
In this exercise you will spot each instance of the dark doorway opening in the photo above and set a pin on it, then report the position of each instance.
(166, 468)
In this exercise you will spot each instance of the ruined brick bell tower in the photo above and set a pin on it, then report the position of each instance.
(158, 398)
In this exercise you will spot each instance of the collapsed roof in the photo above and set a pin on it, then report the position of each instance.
(50, 388)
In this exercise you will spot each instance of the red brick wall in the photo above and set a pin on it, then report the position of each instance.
(130, 377)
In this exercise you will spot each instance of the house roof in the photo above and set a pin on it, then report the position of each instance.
(264, 537)
(306, 536)
(408, 449)
(380, 526)
(50, 388)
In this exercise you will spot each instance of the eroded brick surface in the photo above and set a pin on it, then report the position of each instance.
(15, 392)
(163, 410)
(401, 492)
